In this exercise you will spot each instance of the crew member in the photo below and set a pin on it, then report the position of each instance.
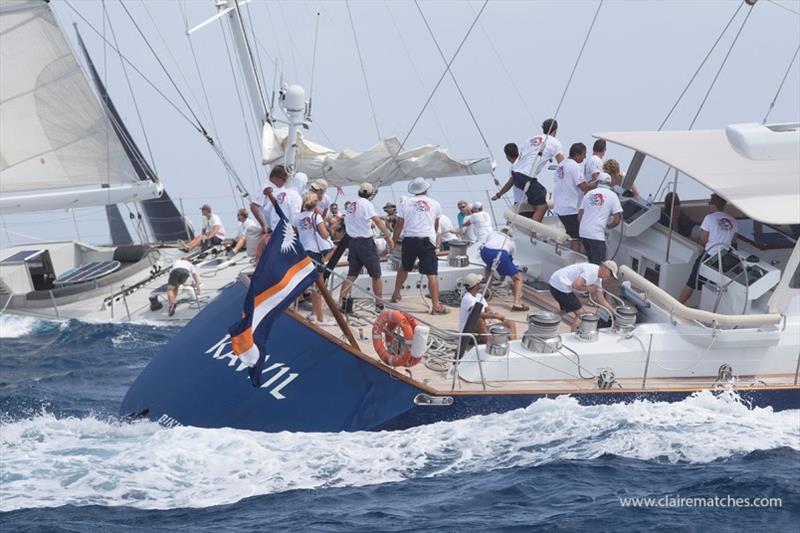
(717, 232)
(213, 231)
(479, 221)
(418, 224)
(472, 282)
(672, 214)
(612, 174)
(320, 188)
(287, 198)
(391, 215)
(534, 155)
(179, 274)
(568, 189)
(502, 243)
(463, 212)
(248, 236)
(597, 207)
(362, 251)
(522, 206)
(581, 277)
(594, 163)
(315, 238)
(447, 232)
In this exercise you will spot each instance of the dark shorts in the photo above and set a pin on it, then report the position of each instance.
(208, 243)
(595, 250)
(567, 301)
(693, 276)
(505, 266)
(420, 248)
(362, 252)
(177, 277)
(571, 225)
(319, 259)
(536, 194)
(445, 246)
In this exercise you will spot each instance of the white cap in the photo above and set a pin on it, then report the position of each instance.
(419, 186)
(320, 185)
(612, 266)
(472, 279)
(477, 205)
(366, 188)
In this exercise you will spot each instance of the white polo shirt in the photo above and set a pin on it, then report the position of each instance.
(721, 228)
(563, 278)
(214, 220)
(468, 301)
(184, 264)
(251, 231)
(592, 164)
(598, 205)
(497, 240)
(529, 151)
(357, 217)
(566, 194)
(306, 224)
(446, 229)
(287, 198)
(419, 214)
(481, 224)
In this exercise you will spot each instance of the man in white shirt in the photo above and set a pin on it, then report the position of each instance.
(320, 187)
(534, 155)
(597, 207)
(447, 232)
(594, 163)
(213, 231)
(179, 274)
(568, 189)
(287, 198)
(418, 224)
(480, 221)
(498, 256)
(248, 236)
(520, 202)
(362, 252)
(472, 296)
(581, 277)
(717, 233)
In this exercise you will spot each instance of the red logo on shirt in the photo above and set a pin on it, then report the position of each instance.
(350, 208)
(281, 197)
(536, 141)
(306, 224)
(422, 205)
(725, 224)
(560, 172)
(597, 199)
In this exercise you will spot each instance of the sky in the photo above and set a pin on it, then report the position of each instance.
(513, 69)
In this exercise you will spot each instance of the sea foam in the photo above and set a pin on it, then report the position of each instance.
(47, 461)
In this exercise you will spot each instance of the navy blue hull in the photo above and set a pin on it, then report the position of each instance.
(312, 383)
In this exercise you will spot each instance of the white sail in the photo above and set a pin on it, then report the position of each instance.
(53, 133)
(377, 164)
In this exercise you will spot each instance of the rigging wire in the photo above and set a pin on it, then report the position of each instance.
(780, 87)
(790, 10)
(260, 64)
(313, 59)
(363, 70)
(238, 200)
(455, 82)
(433, 92)
(253, 65)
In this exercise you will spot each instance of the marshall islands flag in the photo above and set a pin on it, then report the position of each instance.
(282, 274)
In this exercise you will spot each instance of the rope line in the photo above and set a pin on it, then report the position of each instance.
(433, 92)
(253, 64)
(780, 87)
(363, 71)
(455, 82)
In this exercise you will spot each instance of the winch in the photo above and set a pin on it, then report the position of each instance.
(542, 335)
(587, 329)
(498, 340)
(457, 256)
(625, 321)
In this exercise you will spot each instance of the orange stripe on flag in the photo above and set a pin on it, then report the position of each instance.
(283, 282)
(242, 342)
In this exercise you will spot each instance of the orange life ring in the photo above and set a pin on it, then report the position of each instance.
(383, 333)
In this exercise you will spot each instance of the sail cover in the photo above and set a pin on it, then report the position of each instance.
(53, 133)
(377, 164)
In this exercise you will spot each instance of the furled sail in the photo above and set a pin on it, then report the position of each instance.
(377, 164)
(54, 136)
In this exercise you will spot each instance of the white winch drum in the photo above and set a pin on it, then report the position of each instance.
(542, 335)
(625, 321)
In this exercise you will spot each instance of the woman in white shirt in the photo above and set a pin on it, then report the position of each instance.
(315, 238)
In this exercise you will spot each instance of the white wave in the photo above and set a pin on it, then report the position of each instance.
(50, 462)
(13, 326)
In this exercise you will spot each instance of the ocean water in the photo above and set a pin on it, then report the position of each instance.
(68, 464)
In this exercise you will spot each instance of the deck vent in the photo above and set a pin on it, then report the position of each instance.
(542, 335)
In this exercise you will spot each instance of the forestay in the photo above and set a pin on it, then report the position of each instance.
(53, 133)
(377, 164)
